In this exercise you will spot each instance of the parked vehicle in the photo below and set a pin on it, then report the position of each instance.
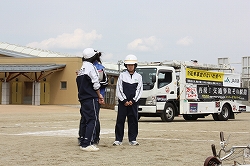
(190, 89)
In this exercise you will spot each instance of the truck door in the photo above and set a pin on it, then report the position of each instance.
(167, 84)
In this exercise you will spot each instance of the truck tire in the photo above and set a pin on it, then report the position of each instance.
(225, 113)
(190, 117)
(168, 113)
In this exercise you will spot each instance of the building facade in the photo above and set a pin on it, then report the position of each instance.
(39, 77)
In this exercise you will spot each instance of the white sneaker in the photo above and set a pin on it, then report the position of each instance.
(90, 148)
(117, 143)
(134, 143)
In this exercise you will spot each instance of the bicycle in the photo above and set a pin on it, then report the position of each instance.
(238, 155)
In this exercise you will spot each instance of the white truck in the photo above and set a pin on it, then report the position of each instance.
(190, 89)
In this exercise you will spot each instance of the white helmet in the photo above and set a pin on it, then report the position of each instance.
(88, 53)
(130, 59)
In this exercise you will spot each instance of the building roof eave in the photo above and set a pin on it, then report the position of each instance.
(30, 67)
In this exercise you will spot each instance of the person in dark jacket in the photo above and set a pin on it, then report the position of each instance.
(103, 79)
(89, 96)
(128, 90)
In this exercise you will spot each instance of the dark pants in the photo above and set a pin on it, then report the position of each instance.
(89, 120)
(131, 112)
(97, 130)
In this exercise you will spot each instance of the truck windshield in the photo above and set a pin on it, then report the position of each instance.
(147, 75)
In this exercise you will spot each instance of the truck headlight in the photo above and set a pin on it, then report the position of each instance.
(151, 100)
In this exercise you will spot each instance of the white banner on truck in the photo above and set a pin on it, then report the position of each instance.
(231, 80)
(191, 91)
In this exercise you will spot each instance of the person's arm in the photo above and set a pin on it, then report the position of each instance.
(96, 85)
(100, 97)
(119, 90)
(139, 90)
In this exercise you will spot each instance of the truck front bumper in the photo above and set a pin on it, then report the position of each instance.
(147, 109)
(144, 109)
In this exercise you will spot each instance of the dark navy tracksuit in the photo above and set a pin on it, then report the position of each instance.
(103, 83)
(87, 83)
(129, 88)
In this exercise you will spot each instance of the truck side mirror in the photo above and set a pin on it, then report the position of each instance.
(153, 78)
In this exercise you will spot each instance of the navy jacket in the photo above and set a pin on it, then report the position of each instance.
(129, 87)
(87, 81)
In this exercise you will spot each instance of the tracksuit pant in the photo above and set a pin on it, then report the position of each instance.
(131, 112)
(97, 129)
(89, 119)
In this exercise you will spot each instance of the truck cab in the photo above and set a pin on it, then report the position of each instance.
(159, 86)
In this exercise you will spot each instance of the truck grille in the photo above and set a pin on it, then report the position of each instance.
(142, 101)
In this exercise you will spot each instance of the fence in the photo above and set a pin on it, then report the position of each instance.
(109, 97)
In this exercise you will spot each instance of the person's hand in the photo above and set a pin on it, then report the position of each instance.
(101, 100)
(128, 103)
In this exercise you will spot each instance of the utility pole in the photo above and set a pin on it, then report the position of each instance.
(119, 65)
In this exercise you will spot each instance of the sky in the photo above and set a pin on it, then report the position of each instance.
(153, 30)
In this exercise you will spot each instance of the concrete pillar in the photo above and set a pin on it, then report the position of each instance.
(5, 93)
(36, 93)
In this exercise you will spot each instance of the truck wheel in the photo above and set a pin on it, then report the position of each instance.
(190, 117)
(168, 113)
(225, 113)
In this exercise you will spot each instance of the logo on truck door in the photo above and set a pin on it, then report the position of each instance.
(167, 89)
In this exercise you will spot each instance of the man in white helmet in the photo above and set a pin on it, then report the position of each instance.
(89, 95)
(128, 90)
